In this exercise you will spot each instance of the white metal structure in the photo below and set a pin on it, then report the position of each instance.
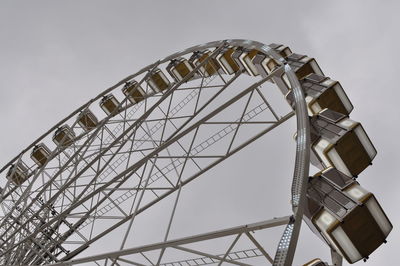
(145, 139)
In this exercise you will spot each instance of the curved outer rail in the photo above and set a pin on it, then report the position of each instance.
(287, 245)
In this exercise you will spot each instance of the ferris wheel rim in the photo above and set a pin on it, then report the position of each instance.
(302, 141)
(233, 42)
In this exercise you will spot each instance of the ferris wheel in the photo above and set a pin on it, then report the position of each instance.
(147, 137)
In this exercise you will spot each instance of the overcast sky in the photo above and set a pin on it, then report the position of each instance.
(55, 55)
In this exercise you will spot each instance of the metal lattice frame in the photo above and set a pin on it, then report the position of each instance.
(139, 155)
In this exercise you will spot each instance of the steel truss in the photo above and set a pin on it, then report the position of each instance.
(143, 153)
(230, 256)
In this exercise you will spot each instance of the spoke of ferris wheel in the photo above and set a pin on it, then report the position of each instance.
(178, 243)
(140, 141)
(37, 244)
(166, 194)
(151, 137)
(33, 179)
(174, 208)
(169, 224)
(185, 156)
(132, 126)
(240, 120)
(84, 237)
(45, 250)
(21, 198)
(191, 155)
(115, 204)
(176, 201)
(138, 204)
(28, 209)
(172, 190)
(85, 160)
(131, 221)
(78, 232)
(21, 186)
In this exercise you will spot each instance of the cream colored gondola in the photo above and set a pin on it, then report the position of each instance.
(158, 81)
(134, 92)
(226, 61)
(179, 68)
(303, 65)
(322, 92)
(345, 215)
(244, 58)
(208, 69)
(87, 120)
(18, 173)
(264, 64)
(109, 104)
(282, 50)
(340, 142)
(40, 154)
(64, 136)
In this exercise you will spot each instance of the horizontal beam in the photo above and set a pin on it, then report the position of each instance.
(183, 241)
